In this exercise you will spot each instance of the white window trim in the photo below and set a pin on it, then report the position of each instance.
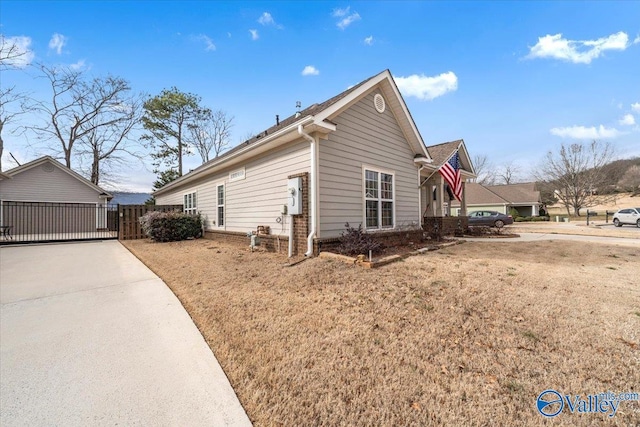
(366, 168)
(190, 210)
(223, 205)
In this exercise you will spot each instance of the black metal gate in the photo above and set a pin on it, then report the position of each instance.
(41, 222)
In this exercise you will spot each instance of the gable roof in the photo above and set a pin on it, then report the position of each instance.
(315, 118)
(440, 153)
(48, 159)
(517, 193)
(478, 194)
(506, 194)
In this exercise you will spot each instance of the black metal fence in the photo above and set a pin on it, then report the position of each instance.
(26, 222)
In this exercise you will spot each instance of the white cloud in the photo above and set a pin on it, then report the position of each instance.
(57, 42)
(577, 51)
(636, 40)
(310, 70)
(582, 132)
(636, 107)
(368, 40)
(627, 120)
(339, 13)
(15, 51)
(427, 88)
(346, 17)
(209, 45)
(254, 34)
(78, 65)
(266, 19)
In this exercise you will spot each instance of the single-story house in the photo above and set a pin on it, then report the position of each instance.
(44, 196)
(356, 158)
(522, 197)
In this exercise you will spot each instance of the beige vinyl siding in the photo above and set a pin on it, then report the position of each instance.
(255, 200)
(37, 185)
(364, 138)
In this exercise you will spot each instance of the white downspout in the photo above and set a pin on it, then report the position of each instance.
(312, 192)
(420, 219)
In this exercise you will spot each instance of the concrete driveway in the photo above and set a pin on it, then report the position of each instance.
(90, 336)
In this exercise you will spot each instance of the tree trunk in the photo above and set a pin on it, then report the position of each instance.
(95, 169)
(67, 157)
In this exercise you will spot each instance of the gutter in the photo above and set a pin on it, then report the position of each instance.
(312, 189)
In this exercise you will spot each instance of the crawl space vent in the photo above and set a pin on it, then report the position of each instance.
(378, 101)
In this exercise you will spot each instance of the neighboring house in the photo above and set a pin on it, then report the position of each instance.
(360, 159)
(522, 197)
(44, 196)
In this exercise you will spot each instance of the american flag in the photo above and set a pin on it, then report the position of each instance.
(451, 173)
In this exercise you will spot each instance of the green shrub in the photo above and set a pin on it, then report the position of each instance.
(540, 218)
(354, 241)
(514, 213)
(171, 226)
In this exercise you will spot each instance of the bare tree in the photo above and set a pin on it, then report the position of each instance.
(78, 107)
(14, 52)
(484, 170)
(211, 133)
(110, 144)
(576, 170)
(12, 104)
(508, 173)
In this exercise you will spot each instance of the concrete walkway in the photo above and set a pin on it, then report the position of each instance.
(533, 237)
(90, 336)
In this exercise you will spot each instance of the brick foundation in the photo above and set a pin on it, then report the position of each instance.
(386, 238)
(440, 226)
(269, 241)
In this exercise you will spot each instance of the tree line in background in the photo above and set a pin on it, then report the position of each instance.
(96, 125)
(578, 175)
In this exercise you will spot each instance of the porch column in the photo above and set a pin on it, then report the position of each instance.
(463, 202)
(438, 211)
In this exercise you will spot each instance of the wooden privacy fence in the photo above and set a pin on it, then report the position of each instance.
(129, 226)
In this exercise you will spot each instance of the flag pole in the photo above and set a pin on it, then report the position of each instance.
(432, 173)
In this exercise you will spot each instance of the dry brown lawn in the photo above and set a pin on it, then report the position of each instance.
(469, 335)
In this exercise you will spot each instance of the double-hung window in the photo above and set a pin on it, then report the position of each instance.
(220, 199)
(190, 204)
(379, 200)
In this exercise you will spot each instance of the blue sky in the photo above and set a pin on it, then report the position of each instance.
(513, 79)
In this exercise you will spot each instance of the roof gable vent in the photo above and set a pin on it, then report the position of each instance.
(378, 102)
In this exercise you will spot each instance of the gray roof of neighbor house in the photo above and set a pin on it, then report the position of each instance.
(477, 195)
(48, 159)
(524, 193)
(506, 194)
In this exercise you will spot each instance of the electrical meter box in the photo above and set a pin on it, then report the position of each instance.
(294, 196)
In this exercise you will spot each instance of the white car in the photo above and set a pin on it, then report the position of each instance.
(627, 216)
